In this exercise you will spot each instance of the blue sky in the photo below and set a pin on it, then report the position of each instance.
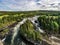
(25, 5)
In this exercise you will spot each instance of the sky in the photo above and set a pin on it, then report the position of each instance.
(28, 5)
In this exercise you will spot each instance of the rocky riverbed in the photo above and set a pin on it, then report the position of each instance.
(1, 43)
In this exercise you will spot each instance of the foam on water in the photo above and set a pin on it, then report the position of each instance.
(33, 19)
(16, 29)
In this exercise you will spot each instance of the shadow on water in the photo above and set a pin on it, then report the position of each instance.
(19, 40)
(8, 39)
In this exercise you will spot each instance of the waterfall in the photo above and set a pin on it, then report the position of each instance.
(3, 39)
(16, 29)
(33, 19)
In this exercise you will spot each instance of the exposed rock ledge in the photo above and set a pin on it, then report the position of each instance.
(1, 43)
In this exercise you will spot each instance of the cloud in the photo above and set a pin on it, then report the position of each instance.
(25, 5)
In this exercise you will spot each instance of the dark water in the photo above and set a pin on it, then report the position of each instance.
(19, 40)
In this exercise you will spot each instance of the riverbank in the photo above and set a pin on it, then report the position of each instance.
(1, 43)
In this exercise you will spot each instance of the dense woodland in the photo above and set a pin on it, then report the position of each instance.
(51, 24)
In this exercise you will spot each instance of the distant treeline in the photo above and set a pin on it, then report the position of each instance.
(38, 12)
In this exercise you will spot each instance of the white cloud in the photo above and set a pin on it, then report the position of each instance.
(30, 5)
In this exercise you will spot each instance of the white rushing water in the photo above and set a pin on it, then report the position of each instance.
(3, 39)
(16, 29)
(33, 19)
